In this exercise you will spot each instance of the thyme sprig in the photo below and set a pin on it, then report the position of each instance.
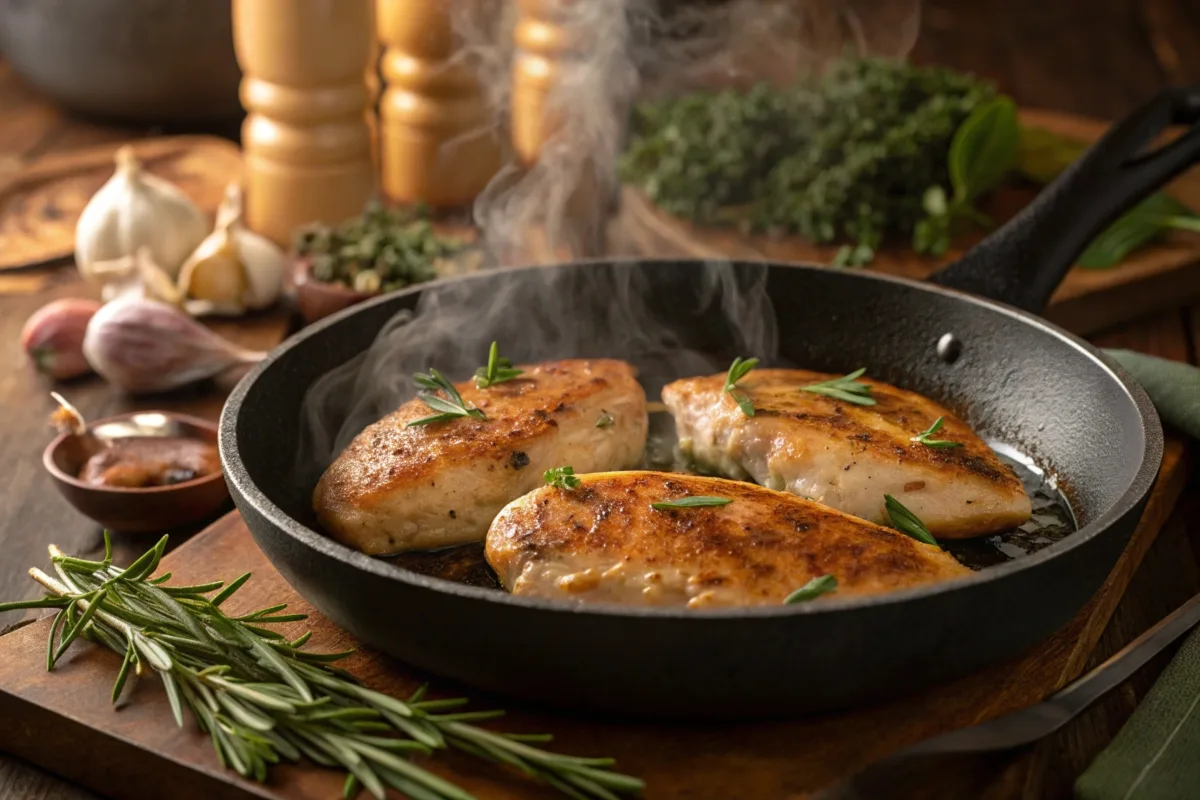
(263, 699)
(561, 478)
(737, 371)
(498, 370)
(451, 407)
(924, 437)
(847, 388)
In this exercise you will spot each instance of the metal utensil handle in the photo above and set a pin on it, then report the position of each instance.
(1081, 693)
(1023, 262)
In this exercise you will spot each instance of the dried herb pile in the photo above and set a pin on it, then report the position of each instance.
(847, 157)
(381, 249)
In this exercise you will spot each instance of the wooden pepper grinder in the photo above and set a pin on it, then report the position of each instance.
(543, 41)
(436, 144)
(307, 138)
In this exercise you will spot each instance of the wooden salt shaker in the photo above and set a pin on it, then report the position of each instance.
(436, 143)
(307, 137)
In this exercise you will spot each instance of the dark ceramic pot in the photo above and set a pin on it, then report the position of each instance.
(147, 61)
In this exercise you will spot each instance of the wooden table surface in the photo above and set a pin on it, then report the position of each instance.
(1092, 57)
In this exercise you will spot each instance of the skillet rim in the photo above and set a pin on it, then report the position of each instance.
(244, 488)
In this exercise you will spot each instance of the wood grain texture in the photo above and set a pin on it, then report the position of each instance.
(41, 203)
(1163, 276)
(138, 743)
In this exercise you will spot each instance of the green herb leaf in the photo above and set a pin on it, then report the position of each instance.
(605, 421)
(262, 700)
(561, 477)
(1146, 222)
(812, 590)
(984, 149)
(452, 407)
(846, 388)
(1043, 155)
(696, 501)
(924, 437)
(906, 522)
(737, 371)
(858, 255)
(498, 370)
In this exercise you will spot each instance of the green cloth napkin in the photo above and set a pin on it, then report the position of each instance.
(1156, 756)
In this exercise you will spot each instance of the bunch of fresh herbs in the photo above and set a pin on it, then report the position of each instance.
(381, 249)
(263, 698)
(847, 157)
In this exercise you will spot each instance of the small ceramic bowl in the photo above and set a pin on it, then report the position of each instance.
(146, 510)
(317, 299)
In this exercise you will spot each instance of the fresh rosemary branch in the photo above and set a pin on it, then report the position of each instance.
(737, 371)
(697, 501)
(452, 407)
(847, 388)
(812, 590)
(498, 370)
(907, 522)
(924, 437)
(263, 699)
(561, 477)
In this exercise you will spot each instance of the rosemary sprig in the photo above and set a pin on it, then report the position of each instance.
(696, 501)
(737, 371)
(847, 388)
(452, 407)
(924, 437)
(907, 522)
(812, 590)
(263, 699)
(561, 477)
(498, 370)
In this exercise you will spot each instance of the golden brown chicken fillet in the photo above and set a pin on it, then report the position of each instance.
(398, 488)
(849, 456)
(604, 541)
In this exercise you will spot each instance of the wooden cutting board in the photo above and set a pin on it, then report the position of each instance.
(1161, 276)
(63, 720)
(40, 201)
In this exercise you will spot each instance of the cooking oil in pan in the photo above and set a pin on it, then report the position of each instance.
(1051, 521)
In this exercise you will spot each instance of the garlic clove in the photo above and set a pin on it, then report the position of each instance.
(234, 268)
(215, 274)
(134, 209)
(144, 346)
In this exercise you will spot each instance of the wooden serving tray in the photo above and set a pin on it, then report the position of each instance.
(1161, 276)
(64, 722)
(40, 202)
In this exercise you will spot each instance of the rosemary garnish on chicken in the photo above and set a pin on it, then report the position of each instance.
(263, 699)
(498, 370)
(451, 407)
(847, 388)
(738, 370)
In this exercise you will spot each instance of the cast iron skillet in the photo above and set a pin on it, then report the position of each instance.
(1012, 375)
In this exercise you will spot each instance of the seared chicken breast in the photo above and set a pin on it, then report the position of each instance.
(398, 488)
(605, 541)
(848, 456)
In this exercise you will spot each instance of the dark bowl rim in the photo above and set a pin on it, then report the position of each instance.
(244, 489)
(131, 491)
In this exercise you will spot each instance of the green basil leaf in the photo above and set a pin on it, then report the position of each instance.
(984, 148)
(1141, 225)
(1043, 154)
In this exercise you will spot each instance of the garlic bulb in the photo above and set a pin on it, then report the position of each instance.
(136, 209)
(233, 269)
(138, 276)
(144, 346)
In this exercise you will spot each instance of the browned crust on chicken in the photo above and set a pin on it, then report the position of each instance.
(605, 542)
(490, 461)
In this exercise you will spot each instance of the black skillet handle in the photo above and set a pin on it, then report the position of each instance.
(1023, 262)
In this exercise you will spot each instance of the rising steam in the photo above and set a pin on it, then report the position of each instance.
(557, 207)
